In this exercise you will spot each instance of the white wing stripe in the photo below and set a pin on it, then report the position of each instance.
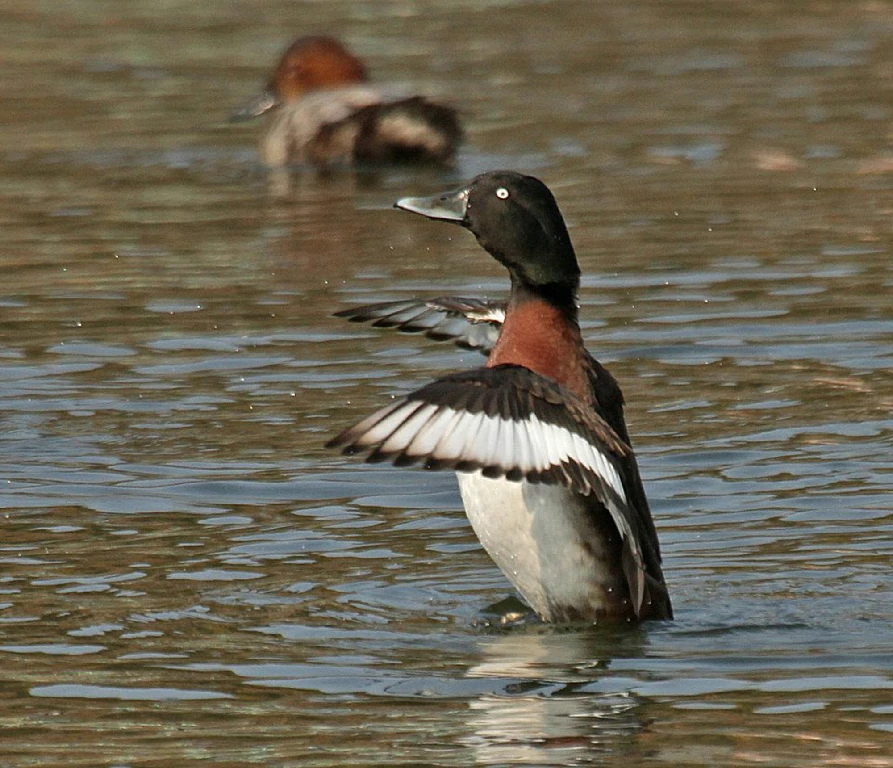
(473, 433)
(523, 455)
(485, 448)
(507, 442)
(403, 432)
(538, 441)
(491, 446)
(380, 424)
(424, 441)
(452, 438)
(424, 430)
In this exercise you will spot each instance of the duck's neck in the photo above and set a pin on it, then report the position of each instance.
(541, 333)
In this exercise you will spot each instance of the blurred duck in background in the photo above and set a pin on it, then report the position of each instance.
(324, 112)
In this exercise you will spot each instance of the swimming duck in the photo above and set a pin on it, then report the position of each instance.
(537, 436)
(324, 112)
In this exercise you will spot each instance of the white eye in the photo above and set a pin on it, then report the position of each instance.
(502, 193)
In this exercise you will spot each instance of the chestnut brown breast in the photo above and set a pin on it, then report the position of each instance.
(539, 336)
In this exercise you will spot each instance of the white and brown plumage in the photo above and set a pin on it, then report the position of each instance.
(323, 111)
(537, 437)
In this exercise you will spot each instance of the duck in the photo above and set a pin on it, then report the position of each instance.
(537, 436)
(324, 112)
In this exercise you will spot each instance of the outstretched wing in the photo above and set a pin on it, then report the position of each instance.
(507, 421)
(470, 323)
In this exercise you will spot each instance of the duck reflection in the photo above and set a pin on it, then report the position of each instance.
(553, 708)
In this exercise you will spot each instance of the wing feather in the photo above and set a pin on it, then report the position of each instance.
(506, 421)
(397, 440)
(469, 323)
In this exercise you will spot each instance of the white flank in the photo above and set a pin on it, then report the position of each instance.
(543, 540)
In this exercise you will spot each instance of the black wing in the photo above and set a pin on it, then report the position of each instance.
(608, 399)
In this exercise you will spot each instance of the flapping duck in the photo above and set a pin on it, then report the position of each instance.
(537, 436)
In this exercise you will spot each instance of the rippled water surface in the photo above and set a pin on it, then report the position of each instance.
(187, 575)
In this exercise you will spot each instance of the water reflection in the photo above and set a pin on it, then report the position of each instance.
(539, 714)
